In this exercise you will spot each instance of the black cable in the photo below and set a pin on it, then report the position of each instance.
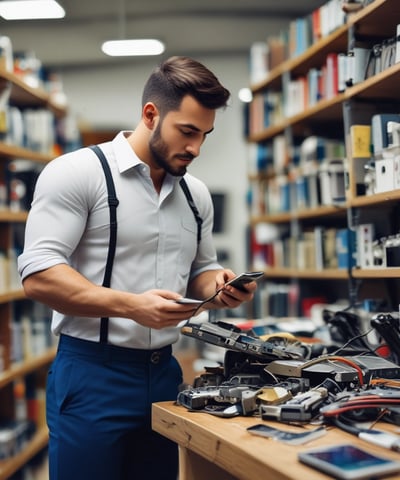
(345, 426)
(352, 340)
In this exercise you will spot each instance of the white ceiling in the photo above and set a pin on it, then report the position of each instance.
(188, 27)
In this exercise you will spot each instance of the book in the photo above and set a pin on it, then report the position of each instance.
(346, 248)
(397, 56)
(360, 141)
(319, 233)
(276, 51)
(258, 62)
(359, 155)
(332, 80)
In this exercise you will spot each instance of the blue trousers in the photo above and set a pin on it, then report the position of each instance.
(99, 412)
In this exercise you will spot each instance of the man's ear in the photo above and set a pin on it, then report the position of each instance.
(150, 115)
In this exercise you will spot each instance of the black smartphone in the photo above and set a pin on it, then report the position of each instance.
(348, 462)
(240, 280)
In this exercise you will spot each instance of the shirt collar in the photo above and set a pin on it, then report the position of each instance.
(125, 156)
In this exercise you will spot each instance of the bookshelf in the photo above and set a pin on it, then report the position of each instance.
(35, 365)
(331, 119)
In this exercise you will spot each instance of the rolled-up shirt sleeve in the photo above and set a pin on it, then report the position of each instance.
(57, 218)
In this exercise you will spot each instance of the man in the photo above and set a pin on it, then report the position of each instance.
(106, 375)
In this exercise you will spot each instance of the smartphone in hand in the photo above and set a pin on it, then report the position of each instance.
(240, 280)
(189, 301)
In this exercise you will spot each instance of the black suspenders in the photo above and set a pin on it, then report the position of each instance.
(113, 204)
(192, 206)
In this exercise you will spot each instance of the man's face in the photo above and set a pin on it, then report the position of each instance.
(177, 138)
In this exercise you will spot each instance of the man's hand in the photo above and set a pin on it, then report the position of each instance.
(219, 294)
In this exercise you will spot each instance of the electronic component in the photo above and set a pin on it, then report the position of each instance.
(316, 371)
(303, 407)
(228, 336)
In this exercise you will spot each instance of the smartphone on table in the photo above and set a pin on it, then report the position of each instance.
(348, 462)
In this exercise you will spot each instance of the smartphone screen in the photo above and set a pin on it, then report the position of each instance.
(348, 462)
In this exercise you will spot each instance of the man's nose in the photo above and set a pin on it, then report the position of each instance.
(194, 148)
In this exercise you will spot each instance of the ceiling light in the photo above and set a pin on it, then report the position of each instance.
(31, 9)
(121, 48)
(125, 47)
(245, 95)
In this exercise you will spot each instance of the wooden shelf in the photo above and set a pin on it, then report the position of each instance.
(376, 199)
(24, 95)
(304, 214)
(11, 216)
(36, 444)
(326, 111)
(388, 272)
(9, 152)
(12, 295)
(382, 86)
(326, 274)
(26, 367)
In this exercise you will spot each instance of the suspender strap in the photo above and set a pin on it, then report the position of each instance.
(193, 207)
(113, 204)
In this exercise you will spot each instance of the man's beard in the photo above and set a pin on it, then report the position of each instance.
(160, 153)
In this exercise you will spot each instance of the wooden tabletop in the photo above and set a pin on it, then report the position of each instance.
(225, 443)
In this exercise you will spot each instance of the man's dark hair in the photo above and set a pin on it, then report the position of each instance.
(177, 77)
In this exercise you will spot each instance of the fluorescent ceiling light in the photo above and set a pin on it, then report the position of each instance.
(121, 48)
(31, 9)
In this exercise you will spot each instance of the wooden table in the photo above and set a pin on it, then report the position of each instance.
(213, 448)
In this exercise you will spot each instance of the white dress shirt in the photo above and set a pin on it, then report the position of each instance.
(156, 240)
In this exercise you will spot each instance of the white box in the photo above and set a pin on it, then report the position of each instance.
(332, 181)
(365, 237)
(396, 168)
(384, 169)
